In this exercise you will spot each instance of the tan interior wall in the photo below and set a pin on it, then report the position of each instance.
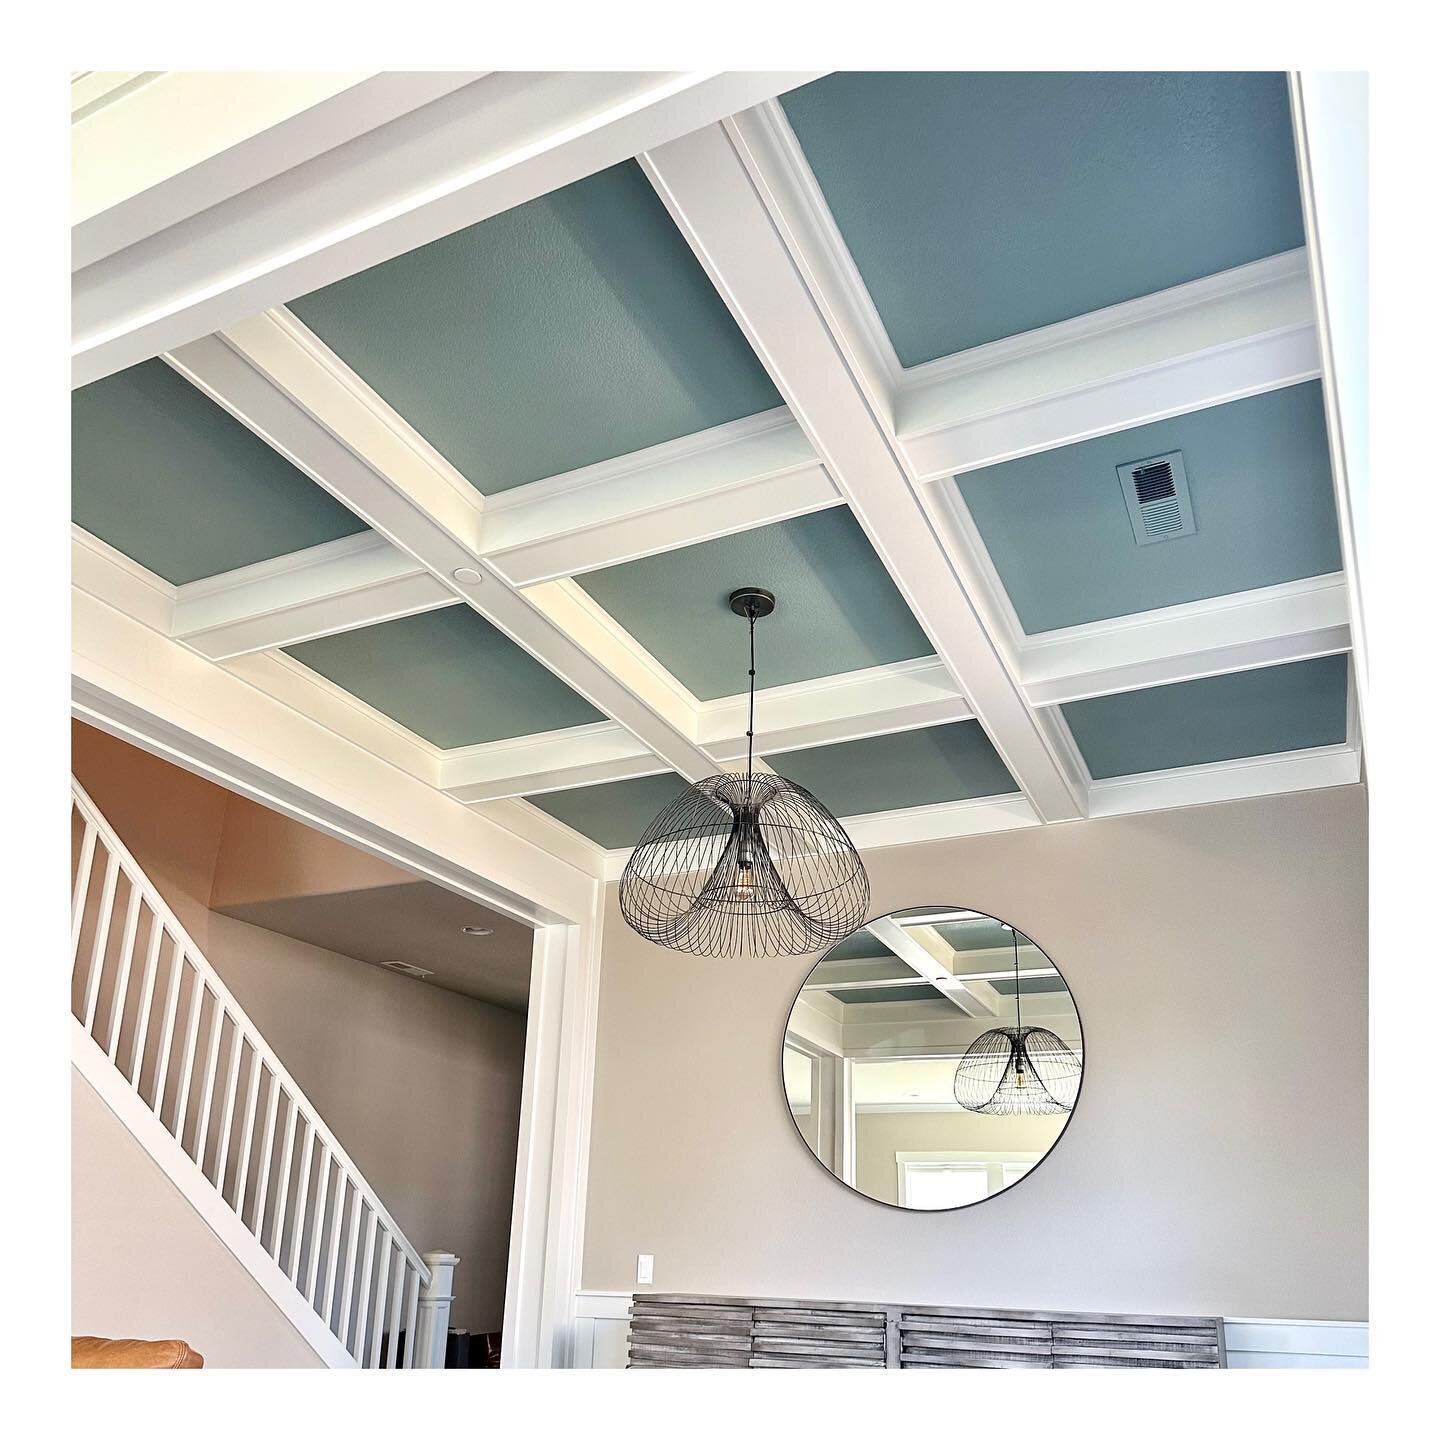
(421, 1086)
(1215, 1163)
(144, 1265)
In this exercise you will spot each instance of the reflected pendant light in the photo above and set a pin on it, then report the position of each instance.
(746, 864)
(1019, 1069)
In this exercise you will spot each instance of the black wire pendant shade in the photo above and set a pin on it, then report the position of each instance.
(745, 864)
(1019, 1069)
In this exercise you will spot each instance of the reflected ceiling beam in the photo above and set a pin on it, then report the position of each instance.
(434, 160)
(839, 987)
(920, 947)
(732, 194)
(275, 378)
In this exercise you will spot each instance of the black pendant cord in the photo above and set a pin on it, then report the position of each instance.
(750, 733)
(1015, 941)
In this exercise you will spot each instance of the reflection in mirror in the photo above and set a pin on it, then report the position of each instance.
(905, 1015)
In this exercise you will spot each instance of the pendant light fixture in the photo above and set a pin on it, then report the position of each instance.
(1019, 1070)
(746, 864)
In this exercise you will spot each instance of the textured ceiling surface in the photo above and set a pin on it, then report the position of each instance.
(837, 608)
(1056, 526)
(978, 206)
(449, 676)
(1223, 717)
(581, 327)
(569, 330)
(169, 479)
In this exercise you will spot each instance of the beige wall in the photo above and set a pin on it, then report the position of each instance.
(1215, 1163)
(144, 1265)
(421, 1086)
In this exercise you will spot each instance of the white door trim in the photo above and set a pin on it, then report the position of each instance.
(547, 1224)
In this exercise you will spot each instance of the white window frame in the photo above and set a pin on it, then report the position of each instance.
(993, 1162)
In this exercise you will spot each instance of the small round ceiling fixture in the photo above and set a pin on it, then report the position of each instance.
(475, 930)
(467, 575)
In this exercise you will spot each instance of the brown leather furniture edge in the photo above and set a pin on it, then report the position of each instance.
(90, 1352)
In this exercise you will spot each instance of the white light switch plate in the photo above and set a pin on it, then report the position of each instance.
(644, 1269)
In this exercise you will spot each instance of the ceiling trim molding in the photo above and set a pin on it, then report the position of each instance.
(1274, 625)
(277, 379)
(725, 187)
(326, 589)
(880, 700)
(147, 688)
(1243, 779)
(496, 142)
(738, 476)
(542, 764)
(1212, 341)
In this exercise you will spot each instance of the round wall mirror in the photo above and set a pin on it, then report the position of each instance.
(932, 1058)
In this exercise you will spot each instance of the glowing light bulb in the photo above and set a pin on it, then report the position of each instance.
(744, 887)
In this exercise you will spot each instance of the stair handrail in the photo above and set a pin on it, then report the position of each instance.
(245, 1030)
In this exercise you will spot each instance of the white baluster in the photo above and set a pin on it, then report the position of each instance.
(147, 998)
(287, 1159)
(187, 1061)
(397, 1298)
(412, 1291)
(227, 1106)
(81, 891)
(122, 982)
(347, 1279)
(102, 940)
(319, 1230)
(207, 1081)
(297, 1234)
(433, 1318)
(247, 1132)
(332, 1250)
(367, 1271)
(267, 1146)
(382, 1287)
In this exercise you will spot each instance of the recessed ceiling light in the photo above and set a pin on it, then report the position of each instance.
(475, 930)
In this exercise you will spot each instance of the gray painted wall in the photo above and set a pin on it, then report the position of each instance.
(1215, 1163)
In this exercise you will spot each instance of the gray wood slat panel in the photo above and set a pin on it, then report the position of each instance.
(727, 1331)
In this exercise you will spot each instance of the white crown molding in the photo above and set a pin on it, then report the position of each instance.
(1206, 343)
(1243, 779)
(1274, 625)
(296, 223)
(101, 570)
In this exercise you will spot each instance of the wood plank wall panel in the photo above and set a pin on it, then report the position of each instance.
(670, 1331)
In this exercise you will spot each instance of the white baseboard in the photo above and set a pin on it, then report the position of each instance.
(602, 1334)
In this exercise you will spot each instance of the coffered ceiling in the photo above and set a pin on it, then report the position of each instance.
(470, 490)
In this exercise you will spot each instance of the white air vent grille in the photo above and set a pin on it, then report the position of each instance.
(1158, 497)
(401, 968)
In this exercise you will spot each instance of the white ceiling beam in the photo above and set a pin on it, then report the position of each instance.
(826, 711)
(909, 945)
(297, 396)
(323, 590)
(1276, 625)
(306, 219)
(834, 709)
(728, 190)
(151, 150)
(1209, 342)
(739, 476)
(1036, 972)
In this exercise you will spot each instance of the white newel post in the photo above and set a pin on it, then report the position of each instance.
(432, 1319)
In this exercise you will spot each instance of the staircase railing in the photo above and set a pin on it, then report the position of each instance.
(175, 1038)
